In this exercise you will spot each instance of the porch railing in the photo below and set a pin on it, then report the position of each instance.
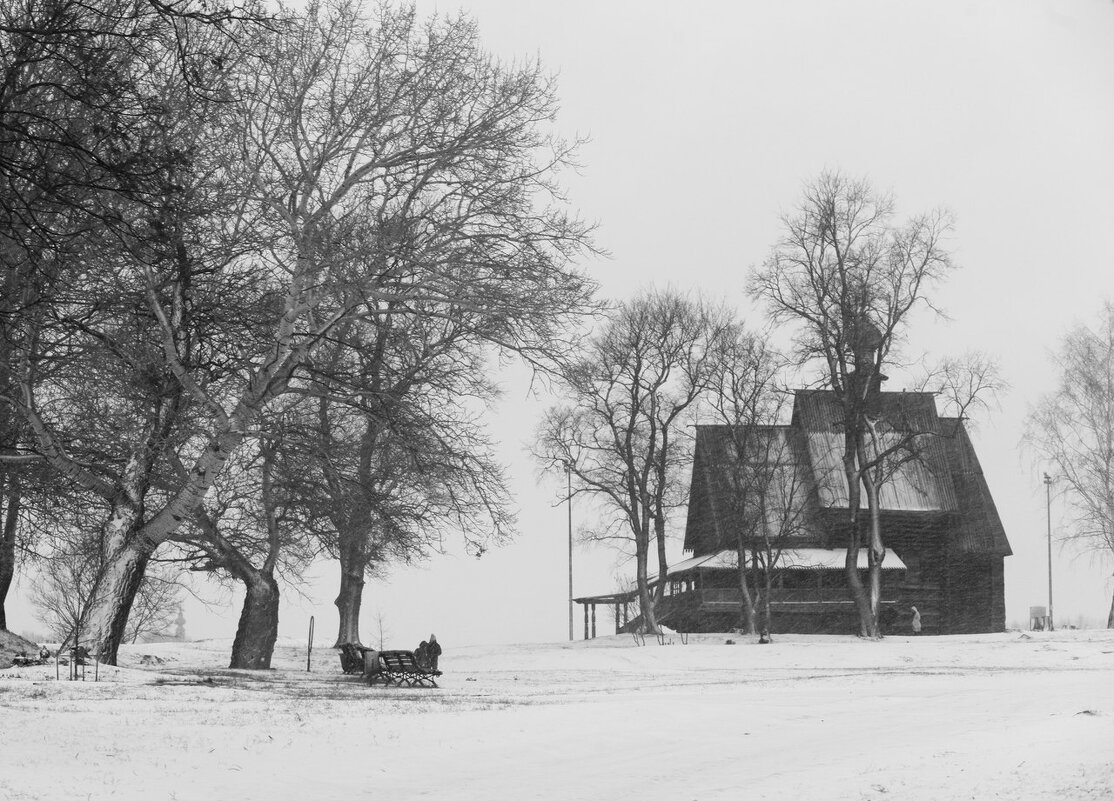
(732, 597)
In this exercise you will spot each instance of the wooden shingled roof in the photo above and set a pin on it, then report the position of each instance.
(918, 478)
(715, 513)
(978, 528)
(938, 476)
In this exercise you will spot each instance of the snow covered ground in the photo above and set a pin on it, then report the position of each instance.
(1006, 716)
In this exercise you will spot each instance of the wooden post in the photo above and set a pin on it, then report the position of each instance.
(309, 644)
(585, 621)
(593, 621)
(568, 477)
(616, 617)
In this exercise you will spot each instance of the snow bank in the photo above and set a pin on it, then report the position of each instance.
(11, 645)
(1009, 716)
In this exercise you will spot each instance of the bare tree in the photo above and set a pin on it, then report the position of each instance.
(372, 162)
(76, 138)
(622, 433)
(398, 455)
(252, 530)
(156, 604)
(381, 630)
(743, 398)
(850, 280)
(67, 582)
(125, 241)
(759, 461)
(1072, 429)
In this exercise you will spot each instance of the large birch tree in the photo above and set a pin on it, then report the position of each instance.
(1072, 431)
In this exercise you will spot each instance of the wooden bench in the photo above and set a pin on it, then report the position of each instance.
(400, 668)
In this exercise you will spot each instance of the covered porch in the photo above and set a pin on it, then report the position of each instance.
(703, 593)
(802, 576)
(619, 601)
(808, 593)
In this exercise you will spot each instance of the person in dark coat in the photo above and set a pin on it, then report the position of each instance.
(421, 654)
(433, 651)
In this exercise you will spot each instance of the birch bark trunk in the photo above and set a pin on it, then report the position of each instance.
(851, 565)
(876, 553)
(123, 570)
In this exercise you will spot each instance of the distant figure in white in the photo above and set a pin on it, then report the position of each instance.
(916, 621)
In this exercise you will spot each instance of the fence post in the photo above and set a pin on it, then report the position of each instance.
(309, 649)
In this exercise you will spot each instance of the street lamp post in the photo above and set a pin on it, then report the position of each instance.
(568, 478)
(1048, 507)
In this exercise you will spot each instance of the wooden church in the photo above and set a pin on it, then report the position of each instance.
(945, 542)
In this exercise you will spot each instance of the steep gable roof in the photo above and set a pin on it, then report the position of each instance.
(979, 528)
(717, 513)
(937, 475)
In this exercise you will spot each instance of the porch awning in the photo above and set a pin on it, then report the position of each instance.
(796, 559)
(713, 560)
(608, 598)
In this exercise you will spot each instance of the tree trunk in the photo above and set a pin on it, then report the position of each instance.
(768, 575)
(1110, 617)
(9, 485)
(875, 555)
(124, 567)
(10, 499)
(663, 565)
(851, 565)
(646, 600)
(746, 613)
(350, 596)
(746, 604)
(258, 630)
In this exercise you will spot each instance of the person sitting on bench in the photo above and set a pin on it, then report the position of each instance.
(371, 663)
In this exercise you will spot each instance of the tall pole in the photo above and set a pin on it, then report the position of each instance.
(568, 478)
(1048, 507)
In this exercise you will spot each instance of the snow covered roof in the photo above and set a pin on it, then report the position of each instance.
(721, 559)
(797, 558)
(833, 559)
(728, 559)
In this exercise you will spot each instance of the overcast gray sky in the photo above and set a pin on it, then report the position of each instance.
(705, 119)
